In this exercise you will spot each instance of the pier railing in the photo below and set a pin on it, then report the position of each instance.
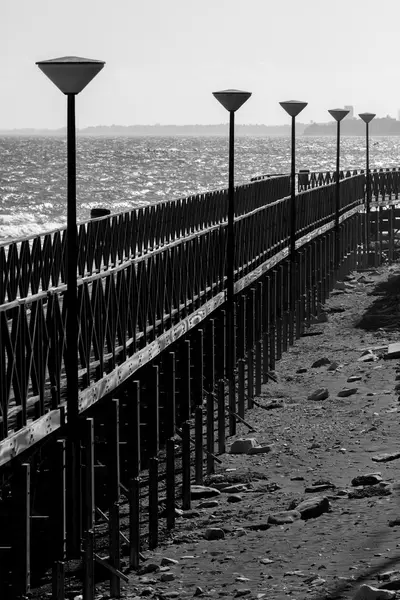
(384, 183)
(132, 311)
(37, 263)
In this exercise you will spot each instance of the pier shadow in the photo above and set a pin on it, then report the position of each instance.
(384, 312)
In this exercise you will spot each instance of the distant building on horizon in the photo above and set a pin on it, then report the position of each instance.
(351, 111)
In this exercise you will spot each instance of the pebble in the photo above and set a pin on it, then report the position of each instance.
(386, 457)
(333, 366)
(367, 592)
(347, 392)
(320, 363)
(313, 507)
(354, 378)
(169, 561)
(149, 568)
(190, 514)
(243, 445)
(319, 394)
(235, 489)
(167, 577)
(208, 504)
(283, 517)
(301, 370)
(200, 491)
(214, 533)
(368, 479)
(260, 450)
(234, 498)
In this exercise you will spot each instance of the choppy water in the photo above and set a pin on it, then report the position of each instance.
(123, 173)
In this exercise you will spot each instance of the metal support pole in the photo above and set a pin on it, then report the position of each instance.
(337, 200)
(367, 196)
(71, 358)
(293, 195)
(230, 248)
(71, 365)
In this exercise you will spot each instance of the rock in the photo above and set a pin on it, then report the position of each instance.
(314, 489)
(394, 584)
(198, 591)
(313, 507)
(147, 591)
(320, 363)
(234, 498)
(235, 488)
(368, 479)
(201, 491)
(394, 523)
(387, 575)
(243, 445)
(167, 577)
(260, 450)
(297, 478)
(353, 378)
(284, 516)
(393, 350)
(242, 592)
(273, 404)
(266, 561)
(167, 562)
(339, 285)
(347, 392)
(364, 279)
(367, 356)
(214, 533)
(208, 504)
(171, 595)
(302, 370)
(368, 491)
(321, 318)
(319, 394)
(337, 309)
(190, 514)
(367, 592)
(333, 366)
(242, 579)
(149, 568)
(386, 457)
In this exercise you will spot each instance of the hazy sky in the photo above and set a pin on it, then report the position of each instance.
(164, 58)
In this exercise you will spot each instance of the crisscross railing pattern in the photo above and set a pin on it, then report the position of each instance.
(37, 263)
(136, 303)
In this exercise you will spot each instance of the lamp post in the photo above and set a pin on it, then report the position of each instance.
(232, 100)
(71, 75)
(338, 114)
(367, 118)
(293, 108)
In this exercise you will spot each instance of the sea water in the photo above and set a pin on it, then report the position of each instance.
(121, 173)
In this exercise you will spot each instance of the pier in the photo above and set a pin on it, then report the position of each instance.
(155, 400)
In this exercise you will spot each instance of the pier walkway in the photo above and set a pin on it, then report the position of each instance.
(154, 401)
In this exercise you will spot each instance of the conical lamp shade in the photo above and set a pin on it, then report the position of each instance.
(232, 99)
(338, 113)
(367, 117)
(293, 107)
(70, 74)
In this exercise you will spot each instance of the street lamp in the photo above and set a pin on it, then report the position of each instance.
(71, 75)
(293, 108)
(367, 118)
(338, 114)
(232, 100)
